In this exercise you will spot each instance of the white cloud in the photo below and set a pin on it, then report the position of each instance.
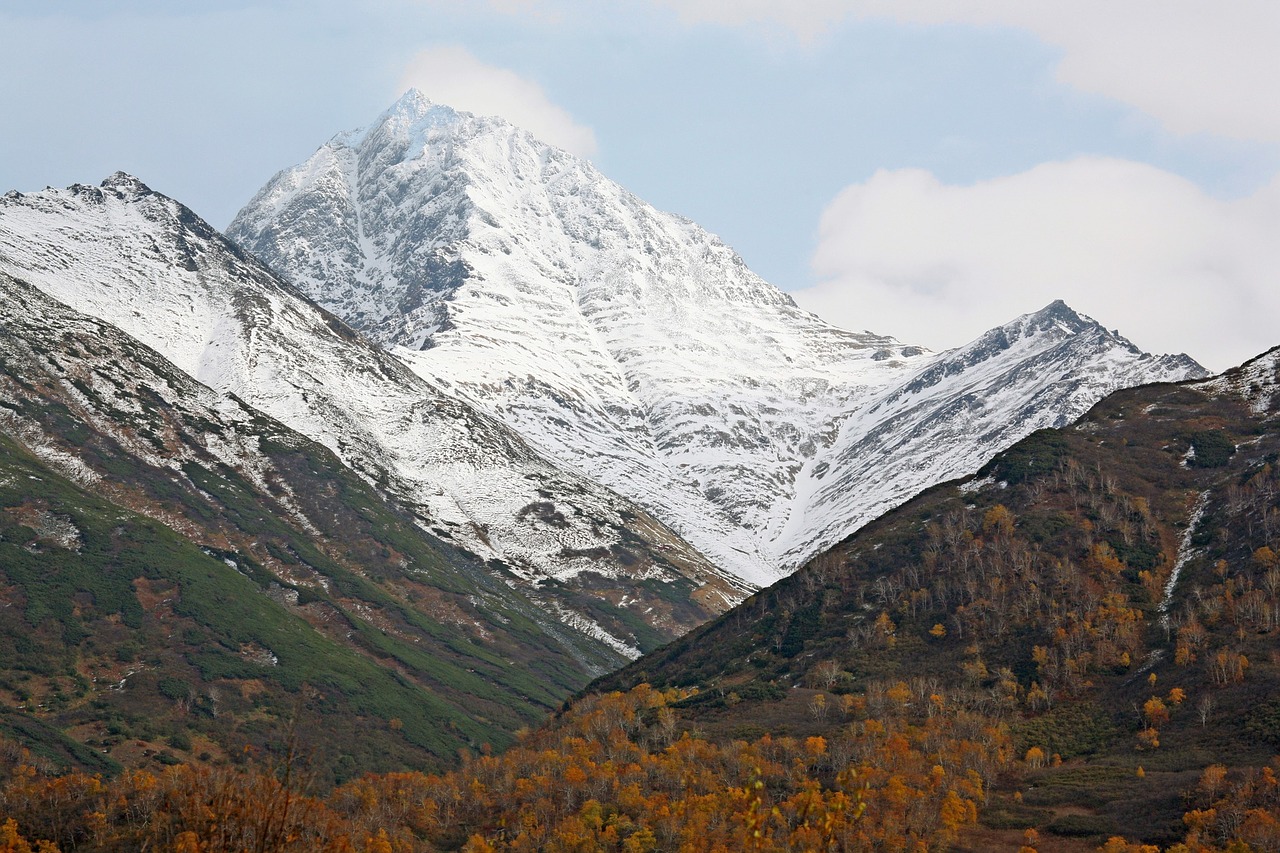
(1194, 66)
(804, 19)
(1137, 248)
(452, 75)
(1140, 249)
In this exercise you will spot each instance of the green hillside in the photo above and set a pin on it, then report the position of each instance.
(183, 578)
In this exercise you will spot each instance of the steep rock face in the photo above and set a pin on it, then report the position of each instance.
(149, 266)
(636, 347)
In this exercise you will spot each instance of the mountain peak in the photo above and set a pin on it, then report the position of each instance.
(125, 183)
(151, 267)
(412, 98)
(410, 117)
(1056, 321)
(630, 342)
(1057, 309)
(412, 105)
(1060, 315)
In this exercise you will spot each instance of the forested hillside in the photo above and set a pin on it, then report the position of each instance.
(1109, 594)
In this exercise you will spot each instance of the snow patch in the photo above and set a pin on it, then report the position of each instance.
(1185, 553)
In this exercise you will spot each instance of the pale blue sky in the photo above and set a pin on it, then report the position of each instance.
(735, 121)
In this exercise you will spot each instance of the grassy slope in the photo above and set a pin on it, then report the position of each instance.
(185, 657)
(303, 560)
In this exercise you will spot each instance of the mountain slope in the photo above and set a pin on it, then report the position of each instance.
(622, 340)
(635, 347)
(147, 265)
(142, 511)
(1106, 666)
(1107, 591)
(945, 420)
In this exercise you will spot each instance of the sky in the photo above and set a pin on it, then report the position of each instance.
(926, 169)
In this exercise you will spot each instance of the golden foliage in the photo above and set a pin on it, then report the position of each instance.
(610, 775)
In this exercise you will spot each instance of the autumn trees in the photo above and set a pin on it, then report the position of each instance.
(611, 774)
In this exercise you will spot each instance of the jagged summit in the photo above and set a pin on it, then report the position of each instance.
(1043, 369)
(394, 195)
(1055, 326)
(1067, 319)
(637, 348)
(1056, 323)
(125, 183)
(412, 117)
(1057, 316)
(413, 100)
(1060, 316)
(1057, 307)
(119, 185)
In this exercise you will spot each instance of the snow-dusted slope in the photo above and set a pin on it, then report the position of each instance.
(115, 416)
(1040, 370)
(149, 266)
(638, 348)
(1257, 380)
(627, 342)
(149, 409)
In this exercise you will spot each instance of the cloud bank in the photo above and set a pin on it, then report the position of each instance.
(452, 75)
(1194, 66)
(1137, 248)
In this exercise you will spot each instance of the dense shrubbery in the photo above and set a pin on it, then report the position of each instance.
(614, 773)
(1213, 448)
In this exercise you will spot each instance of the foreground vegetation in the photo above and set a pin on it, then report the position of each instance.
(1111, 592)
(616, 772)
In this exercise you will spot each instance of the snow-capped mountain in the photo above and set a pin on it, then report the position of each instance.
(626, 342)
(637, 348)
(150, 267)
(945, 420)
